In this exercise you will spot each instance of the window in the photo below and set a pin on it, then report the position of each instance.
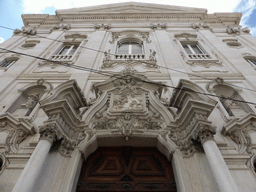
(7, 62)
(68, 49)
(66, 52)
(194, 50)
(228, 99)
(130, 48)
(252, 62)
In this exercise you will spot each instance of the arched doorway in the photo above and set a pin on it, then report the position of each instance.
(126, 169)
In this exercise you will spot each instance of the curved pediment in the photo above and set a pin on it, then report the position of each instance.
(128, 103)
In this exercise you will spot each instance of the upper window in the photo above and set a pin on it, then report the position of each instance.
(251, 61)
(66, 52)
(7, 62)
(130, 47)
(68, 49)
(194, 51)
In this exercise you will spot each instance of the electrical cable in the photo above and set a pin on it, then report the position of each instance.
(121, 77)
(191, 74)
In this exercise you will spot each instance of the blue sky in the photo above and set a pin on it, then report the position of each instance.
(11, 10)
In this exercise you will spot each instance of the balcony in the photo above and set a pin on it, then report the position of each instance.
(61, 57)
(199, 56)
(129, 56)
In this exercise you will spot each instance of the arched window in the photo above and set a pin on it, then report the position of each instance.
(130, 47)
(230, 101)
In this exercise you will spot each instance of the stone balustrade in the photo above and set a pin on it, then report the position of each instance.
(199, 56)
(61, 57)
(129, 56)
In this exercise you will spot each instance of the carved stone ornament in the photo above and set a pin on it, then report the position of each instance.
(49, 133)
(192, 126)
(127, 106)
(158, 26)
(114, 37)
(17, 31)
(239, 131)
(109, 63)
(233, 30)
(4, 162)
(64, 121)
(103, 26)
(196, 25)
(246, 30)
(65, 26)
(15, 131)
(76, 36)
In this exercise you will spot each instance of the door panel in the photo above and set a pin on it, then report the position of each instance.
(126, 169)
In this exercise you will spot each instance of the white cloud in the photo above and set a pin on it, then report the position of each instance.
(1, 40)
(32, 6)
(253, 31)
(246, 7)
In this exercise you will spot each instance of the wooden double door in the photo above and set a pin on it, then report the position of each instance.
(126, 169)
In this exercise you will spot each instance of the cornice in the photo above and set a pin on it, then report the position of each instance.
(130, 11)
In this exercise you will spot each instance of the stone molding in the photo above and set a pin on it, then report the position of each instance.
(127, 106)
(192, 125)
(17, 129)
(64, 121)
(239, 130)
(109, 62)
(49, 133)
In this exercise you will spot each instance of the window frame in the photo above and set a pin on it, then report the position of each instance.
(59, 52)
(251, 61)
(135, 41)
(8, 62)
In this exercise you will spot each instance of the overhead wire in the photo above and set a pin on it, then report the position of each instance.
(115, 75)
(191, 74)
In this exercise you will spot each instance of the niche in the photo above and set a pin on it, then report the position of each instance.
(27, 101)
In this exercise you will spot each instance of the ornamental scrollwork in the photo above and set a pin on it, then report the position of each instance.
(14, 132)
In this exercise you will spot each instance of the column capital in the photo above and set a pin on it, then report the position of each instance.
(47, 132)
(205, 133)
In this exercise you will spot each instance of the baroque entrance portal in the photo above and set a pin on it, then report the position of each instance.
(126, 169)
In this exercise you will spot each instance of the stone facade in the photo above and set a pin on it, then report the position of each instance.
(128, 74)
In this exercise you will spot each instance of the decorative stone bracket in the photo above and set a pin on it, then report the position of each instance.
(17, 130)
(239, 131)
(192, 125)
(64, 121)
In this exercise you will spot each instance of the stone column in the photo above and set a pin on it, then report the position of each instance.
(33, 168)
(217, 164)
